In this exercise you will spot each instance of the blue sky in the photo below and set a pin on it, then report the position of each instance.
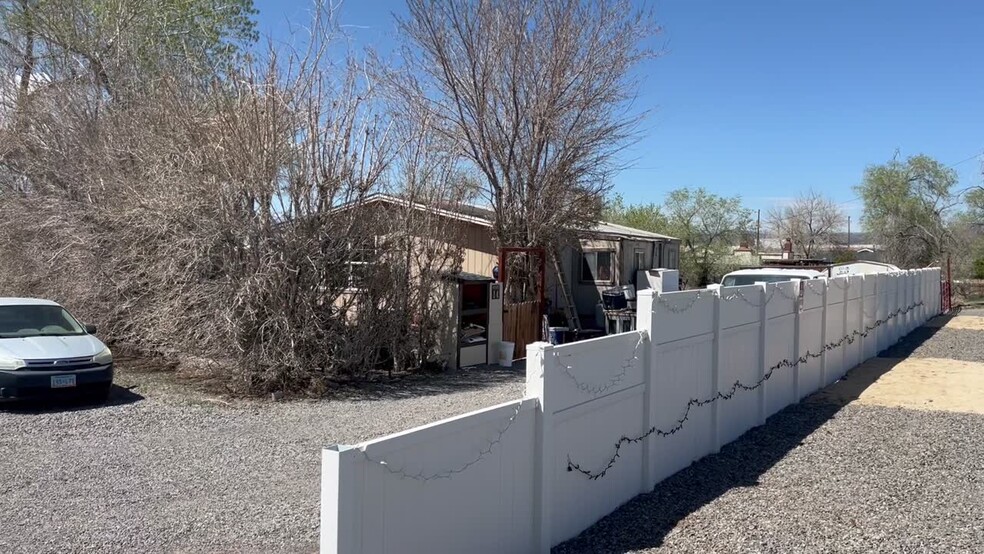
(769, 98)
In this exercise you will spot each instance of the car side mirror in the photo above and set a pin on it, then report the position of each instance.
(89, 328)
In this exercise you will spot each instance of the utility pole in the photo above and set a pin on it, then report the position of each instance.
(758, 230)
(848, 232)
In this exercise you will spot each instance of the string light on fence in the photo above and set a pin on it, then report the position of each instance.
(735, 387)
(811, 286)
(678, 309)
(447, 474)
(613, 381)
(741, 294)
(785, 294)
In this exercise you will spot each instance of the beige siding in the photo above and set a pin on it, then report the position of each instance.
(480, 252)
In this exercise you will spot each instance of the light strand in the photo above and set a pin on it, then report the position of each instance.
(738, 385)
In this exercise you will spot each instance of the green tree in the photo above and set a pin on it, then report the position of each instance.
(648, 217)
(909, 208)
(708, 226)
(121, 45)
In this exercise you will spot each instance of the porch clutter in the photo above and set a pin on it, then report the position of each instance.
(476, 320)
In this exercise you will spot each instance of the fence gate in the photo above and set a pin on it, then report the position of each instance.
(521, 325)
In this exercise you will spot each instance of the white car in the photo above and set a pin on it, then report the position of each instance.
(767, 275)
(45, 351)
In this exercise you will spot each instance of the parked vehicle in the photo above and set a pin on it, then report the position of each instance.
(767, 275)
(45, 351)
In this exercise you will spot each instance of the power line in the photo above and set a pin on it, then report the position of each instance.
(965, 160)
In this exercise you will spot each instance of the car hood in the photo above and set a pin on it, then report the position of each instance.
(49, 348)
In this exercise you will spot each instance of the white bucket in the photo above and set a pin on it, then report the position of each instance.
(506, 350)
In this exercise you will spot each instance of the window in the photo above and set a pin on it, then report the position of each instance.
(671, 258)
(741, 280)
(598, 267)
(359, 268)
(639, 257)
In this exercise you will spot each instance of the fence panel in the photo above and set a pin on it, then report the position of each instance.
(464, 484)
(681, 315)
(521, 325)
(885, 292)
(739, 359)
(682, 369)
(810, 345)
(780, 344)
(782, 385)
(852, 323)
(596, 394)
(870, 315)
(835, 333)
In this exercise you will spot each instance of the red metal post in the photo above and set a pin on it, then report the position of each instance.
(949, 285)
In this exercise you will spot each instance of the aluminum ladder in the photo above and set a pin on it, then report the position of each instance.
(570, 309)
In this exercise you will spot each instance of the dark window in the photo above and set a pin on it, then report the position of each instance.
(671, 258)
(742, 280)
(362, 255)
(597, 267)
(640, 260)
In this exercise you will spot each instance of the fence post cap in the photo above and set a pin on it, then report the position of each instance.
(539, 345)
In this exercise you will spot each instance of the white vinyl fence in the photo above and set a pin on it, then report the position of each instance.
(607, 419)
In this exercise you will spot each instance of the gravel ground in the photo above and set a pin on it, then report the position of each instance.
(821, 477)
(164, 468)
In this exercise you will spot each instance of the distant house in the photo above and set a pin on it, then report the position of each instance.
(772, 248)
(607, 255)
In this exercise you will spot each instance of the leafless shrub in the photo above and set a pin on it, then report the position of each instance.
(226, 221)
(810, 222)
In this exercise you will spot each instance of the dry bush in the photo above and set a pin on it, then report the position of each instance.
(210, 218)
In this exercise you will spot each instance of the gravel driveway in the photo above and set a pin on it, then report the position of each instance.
(166, 469)
(822, 476)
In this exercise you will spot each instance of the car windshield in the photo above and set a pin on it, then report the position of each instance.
(36, 320)
(739, 280)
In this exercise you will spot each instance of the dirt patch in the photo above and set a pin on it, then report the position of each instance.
(918, 383)
(967, 322)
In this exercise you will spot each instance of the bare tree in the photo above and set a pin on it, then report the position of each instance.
(536, 95)
(809, 222)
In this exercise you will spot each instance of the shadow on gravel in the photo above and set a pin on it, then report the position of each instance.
(118, 396)
(909, 343)
(427, 384)
(645, 520)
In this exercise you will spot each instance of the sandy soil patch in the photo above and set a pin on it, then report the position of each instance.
(967, 322)
(916, 383)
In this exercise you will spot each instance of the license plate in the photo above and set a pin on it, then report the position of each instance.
(62, 381)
